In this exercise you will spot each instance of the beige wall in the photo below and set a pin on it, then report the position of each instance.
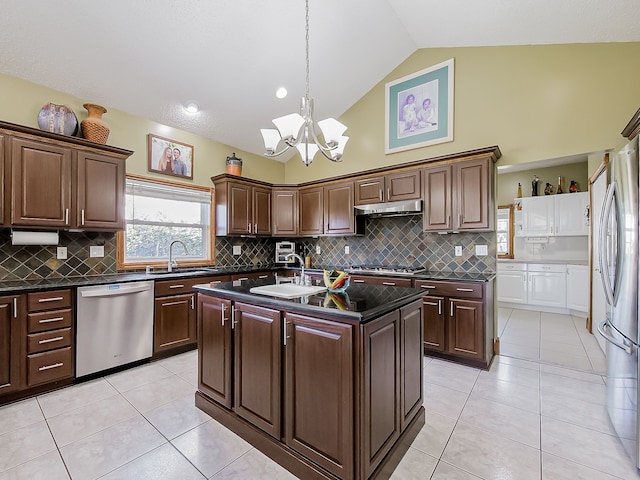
(508, 182)
(20, 102)
(534, 102)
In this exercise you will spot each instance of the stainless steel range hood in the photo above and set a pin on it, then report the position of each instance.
(390, 209)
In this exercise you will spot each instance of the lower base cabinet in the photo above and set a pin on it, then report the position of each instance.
(174, 322)
(335, 398)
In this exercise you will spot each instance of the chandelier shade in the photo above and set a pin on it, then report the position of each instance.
(302, 132)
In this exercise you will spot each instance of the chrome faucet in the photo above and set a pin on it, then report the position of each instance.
(303, 278)
(172, 263)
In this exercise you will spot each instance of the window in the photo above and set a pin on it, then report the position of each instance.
(156, 214)
(504, 231)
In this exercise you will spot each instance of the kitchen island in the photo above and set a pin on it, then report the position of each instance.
(327, 385)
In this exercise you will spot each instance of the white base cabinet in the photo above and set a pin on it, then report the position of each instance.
(512, 283)
(578, 287)
(547, 285)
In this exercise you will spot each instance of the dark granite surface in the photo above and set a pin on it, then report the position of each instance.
(358, 303)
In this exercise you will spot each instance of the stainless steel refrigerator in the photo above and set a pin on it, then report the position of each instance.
(619, 272)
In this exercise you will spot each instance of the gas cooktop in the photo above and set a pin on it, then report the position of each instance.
(389, 269)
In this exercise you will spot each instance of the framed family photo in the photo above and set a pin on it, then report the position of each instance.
(170, 157)
(419, 109)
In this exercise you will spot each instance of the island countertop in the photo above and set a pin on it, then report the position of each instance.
(358, 303)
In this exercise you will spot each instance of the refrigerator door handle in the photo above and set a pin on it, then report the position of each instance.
(604, 264)
(602, 328)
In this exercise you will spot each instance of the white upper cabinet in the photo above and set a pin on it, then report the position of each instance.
(555, 215)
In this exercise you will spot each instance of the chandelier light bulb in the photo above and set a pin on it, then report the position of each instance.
(281, 92)
(192, 107)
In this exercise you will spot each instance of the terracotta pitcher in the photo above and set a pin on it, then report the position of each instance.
(93, 127)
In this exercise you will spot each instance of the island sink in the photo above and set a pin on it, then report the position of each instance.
(287, 290)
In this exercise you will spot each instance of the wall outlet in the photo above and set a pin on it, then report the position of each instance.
(318, 250)
(346, 249)
(458, 250)
(482, 250)
(96, 251)
(237, 250)
(61, 253)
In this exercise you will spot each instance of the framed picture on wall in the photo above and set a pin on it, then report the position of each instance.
(419, 109)
(170, 157)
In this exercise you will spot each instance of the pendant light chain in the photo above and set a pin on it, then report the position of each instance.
(307, 51)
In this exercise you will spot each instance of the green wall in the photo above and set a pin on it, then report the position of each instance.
(534, 102)
(20, 102)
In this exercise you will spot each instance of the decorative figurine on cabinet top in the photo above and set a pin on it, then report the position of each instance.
(573, 188)
(548, 189)
(534, 186)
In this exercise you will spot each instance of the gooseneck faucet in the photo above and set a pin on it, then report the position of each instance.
(301, 260)
(172, 263)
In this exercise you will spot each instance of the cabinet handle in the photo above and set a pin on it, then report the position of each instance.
(255, 228)
(233, 319)
(464, 289)
(452, 309)
(380, 194)
(49, 320)
(193, 303)
(82, 215)
(15, 307)
(448, 220)
(263, 276)
(388, 193)
(243, 279)
(391, 284)
(49, 367)
(66, 216)
(431, 303)
(284, 332)
(358, 281)
(439, 307)
(460, 218)
(427, 286)
(249, 227)
(524, 278)
(176, 286)
(49, 340)
(50, 299)
(224, 312)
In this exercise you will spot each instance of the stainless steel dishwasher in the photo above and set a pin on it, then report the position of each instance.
(114, 325)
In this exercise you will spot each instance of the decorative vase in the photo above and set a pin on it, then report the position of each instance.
(57, 119)
(93, 127)
(234, 165)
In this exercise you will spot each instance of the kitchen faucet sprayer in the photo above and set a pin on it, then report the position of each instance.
(172, 263)
(303, 277)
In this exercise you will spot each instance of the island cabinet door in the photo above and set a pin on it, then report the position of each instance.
(319, 392)
(433, 317)
(257, 339)
(215, 349)
(411, 360)
(380, 426)
(465, 328)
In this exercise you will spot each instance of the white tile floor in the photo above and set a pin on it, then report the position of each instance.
(520, 420)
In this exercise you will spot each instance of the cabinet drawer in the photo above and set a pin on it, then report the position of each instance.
(41, 342)
(512, 267)
(451, 289)
(48, 300)
(40, 322)
(387, 281)
(547, 267)
(49, 366)
(178, 286)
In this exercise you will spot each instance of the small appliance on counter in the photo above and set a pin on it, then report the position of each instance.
(283, 249)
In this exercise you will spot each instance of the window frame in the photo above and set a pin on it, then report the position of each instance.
(120, 235)
(509, 253)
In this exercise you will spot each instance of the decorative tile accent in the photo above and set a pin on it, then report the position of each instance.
(35, 262)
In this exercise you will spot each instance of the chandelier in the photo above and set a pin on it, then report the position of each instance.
(302, 132)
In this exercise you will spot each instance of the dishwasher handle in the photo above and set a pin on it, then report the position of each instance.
(101, 292)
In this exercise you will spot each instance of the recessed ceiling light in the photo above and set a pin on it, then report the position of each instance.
(281, 92)
(192, 107)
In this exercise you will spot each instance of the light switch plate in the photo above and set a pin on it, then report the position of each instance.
(458, 250)
(318, 250)
(96, 251)
(61, 253)
(482, 250)
(346, 249)
(237, 250)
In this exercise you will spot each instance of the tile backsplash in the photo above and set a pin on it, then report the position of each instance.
(35, 262)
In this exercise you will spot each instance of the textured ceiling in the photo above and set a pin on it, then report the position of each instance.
(150, 57)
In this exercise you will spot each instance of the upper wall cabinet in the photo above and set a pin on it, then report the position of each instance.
(459, 197)
(284, 212)
(242, 208)
(54, 181)
(339, 218)
(388, 188)
(555, 215)
(311, 211)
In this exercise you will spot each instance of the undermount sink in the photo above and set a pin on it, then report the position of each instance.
(202, 270)
(287, 290)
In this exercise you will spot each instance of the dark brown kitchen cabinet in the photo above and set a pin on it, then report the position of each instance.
(242, 208)
(257, 344)
(251, 276)
(459, 197)
(215, 349)
(12, 336)
(3, 141)
(458, 320)
(319, 392)
(100, 183)
(40, 184)
(339, 217)
(284, 212)
(174, 322)
(311, 211)
(411, 372)
(392, 187)
(378, 280)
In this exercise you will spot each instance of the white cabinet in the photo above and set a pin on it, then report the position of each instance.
(512, 283)
(571, 217)
(578, 287)
(554, 215)
(547, 285)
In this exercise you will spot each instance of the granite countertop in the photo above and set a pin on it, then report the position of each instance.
(427, 275)
(358, 303)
